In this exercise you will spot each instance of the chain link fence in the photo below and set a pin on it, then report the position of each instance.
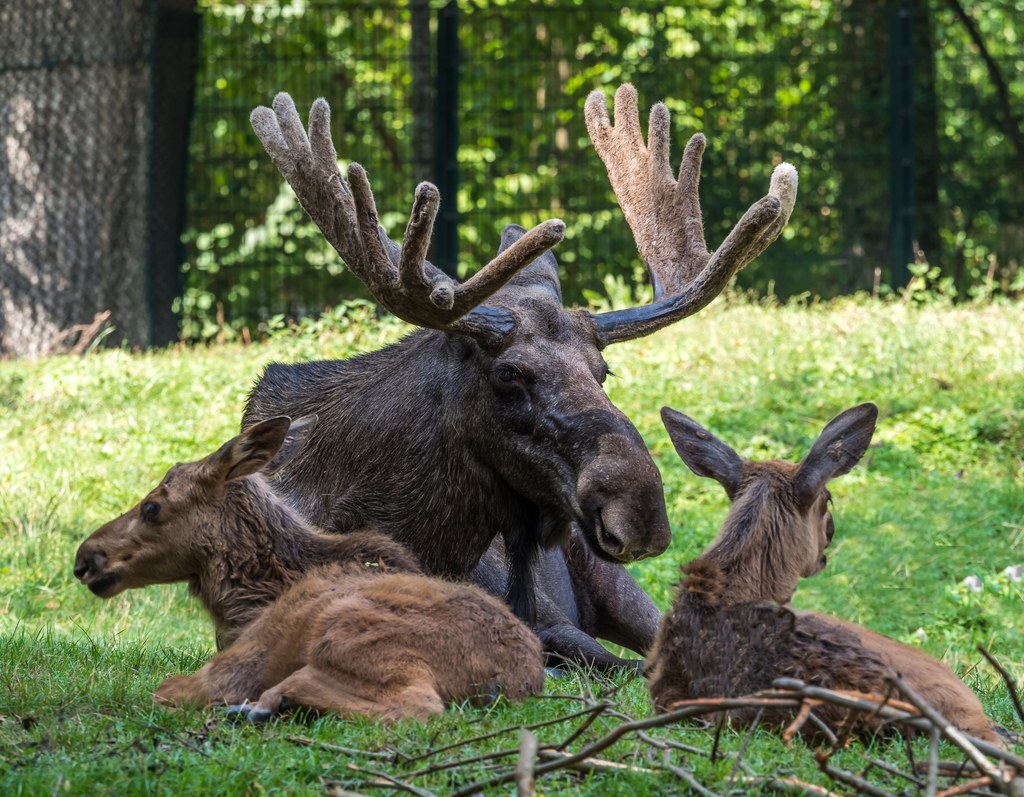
(74, 104)
(892, 112)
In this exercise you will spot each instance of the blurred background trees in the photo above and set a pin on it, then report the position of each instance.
(887, 107)
(901, 116)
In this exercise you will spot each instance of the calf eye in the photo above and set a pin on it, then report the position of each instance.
(150, 511)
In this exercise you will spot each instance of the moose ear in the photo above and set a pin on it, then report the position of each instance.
(250, 451)
(704, 453)
(298, 432)
(542, 272)
(838, 448)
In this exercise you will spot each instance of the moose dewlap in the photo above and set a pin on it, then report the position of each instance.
(332, 622)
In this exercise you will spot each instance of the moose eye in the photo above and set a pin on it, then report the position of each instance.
(150, 511)
(507, 373)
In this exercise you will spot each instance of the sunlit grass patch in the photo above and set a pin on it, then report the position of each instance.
(937, 500)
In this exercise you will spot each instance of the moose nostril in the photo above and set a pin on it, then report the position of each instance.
(80, 569)
(609, 540)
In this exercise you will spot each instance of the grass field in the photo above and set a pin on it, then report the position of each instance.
(938, 498)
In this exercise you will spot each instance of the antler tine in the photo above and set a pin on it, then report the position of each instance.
(400, 278)
(664, 214)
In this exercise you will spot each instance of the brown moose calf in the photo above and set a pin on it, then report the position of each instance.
(728, 632)
(342, 623)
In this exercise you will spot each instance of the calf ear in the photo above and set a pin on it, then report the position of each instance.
(704, 453)
(838, 448)
(250, 451)
(293, 443)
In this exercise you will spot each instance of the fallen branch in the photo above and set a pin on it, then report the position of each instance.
(686, 710)
(987, 766)
(384, 779)
(590, 709)
(790, 786)
(1001, 777)
(1011, 686)
(686, 776)
(78, 338)
(335, 748)
(594, 764)
(965, 788)
(525, 763)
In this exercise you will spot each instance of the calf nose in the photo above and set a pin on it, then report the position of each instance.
(88, 561)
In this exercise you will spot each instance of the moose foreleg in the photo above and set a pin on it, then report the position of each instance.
(580, 597)
(232, 676)
(611, 604)
(566, 642)
(181, 690)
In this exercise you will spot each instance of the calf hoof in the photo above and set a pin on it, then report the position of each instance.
(1008, 736)
(259, 715)
(555, 672)
(248, 712)
(238, 713)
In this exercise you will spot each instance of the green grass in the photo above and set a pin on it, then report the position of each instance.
(938, 498)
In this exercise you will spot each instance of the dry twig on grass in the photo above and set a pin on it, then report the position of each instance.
(1011, 685)
(77, 339)
(985, 770)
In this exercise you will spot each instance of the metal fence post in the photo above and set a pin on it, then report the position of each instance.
(902, 213)
(174, 75)
(446, 153)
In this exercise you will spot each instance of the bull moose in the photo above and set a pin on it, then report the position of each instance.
(491, 421)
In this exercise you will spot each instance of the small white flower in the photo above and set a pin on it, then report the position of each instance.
(921, 635)
(973, 583)
(1015, 573)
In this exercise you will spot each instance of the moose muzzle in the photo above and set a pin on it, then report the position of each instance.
(622, 503)
(93, 568)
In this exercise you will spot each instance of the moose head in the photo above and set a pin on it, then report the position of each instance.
(494, 421)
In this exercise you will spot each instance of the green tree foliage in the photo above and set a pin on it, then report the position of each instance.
(981, 193)
(252, 248)
(806, 81)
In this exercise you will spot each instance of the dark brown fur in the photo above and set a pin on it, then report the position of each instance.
(492, 422)
(580, 598)
(729, 632)
(343, 623)
(444, 444)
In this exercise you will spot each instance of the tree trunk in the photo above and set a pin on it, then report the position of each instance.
(75, 96)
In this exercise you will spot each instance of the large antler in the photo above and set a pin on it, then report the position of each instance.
(665, 216)
(400, 278)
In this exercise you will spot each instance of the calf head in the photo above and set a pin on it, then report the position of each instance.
(780, 516)
(164, 537)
